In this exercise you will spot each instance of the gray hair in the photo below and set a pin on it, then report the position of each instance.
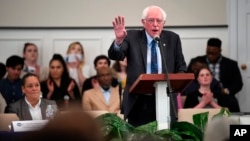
(218, 129)
(146, 10)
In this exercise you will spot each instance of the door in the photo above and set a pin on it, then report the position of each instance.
(241, 38)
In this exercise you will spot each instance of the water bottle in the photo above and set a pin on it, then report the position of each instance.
(66, 102)
(50, 112)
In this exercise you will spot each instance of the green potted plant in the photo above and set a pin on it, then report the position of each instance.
(116, 129)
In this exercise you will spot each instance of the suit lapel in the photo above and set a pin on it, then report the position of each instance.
(43, 107)
(163, 39)
(100, 96)
(113, 95)
(26, 112)
(143, 45)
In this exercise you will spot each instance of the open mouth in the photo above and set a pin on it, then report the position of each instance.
(155, 30)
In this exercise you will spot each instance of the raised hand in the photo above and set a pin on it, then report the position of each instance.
(119, 29)
(50, 86)
(71, 88)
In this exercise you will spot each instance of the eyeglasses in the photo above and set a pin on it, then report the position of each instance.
(152, 21)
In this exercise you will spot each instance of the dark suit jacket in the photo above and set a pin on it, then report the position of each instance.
(230, 76)
(135, 48)
(21, 108)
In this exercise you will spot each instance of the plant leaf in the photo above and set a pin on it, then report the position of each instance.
(169, 134)
(187, 130)
(200, 120)
(113, 126)
(143, 137)
(223, 112)
(150, 127)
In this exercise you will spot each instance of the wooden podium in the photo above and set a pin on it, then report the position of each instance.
(156, 84)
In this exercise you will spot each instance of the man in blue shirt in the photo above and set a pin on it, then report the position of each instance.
(10, 87)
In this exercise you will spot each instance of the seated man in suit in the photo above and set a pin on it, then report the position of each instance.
(32, 106)
(100, 61)
(104, 97)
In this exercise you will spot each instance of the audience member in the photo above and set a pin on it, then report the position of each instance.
(2, 70)
(78, 69)
(69, 126)
(219, 129)
(32, 106)
(30, 55)
(120, 68)
(2, 100)
(225, 70)
(203, 97)
(194, 85)
(102, 98)
(59, 84)
(2, 104)
(136, 45)
(99, 61)
(10, 87)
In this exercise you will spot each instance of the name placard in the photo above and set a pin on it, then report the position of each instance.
(28, 125)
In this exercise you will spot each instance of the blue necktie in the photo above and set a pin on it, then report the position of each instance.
(154, 65)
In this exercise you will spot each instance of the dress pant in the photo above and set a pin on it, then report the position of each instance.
(143, 111)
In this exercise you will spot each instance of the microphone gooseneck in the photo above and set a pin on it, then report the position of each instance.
(170, 92)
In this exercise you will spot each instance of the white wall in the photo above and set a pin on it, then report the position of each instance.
(96, 41)
(100, 13)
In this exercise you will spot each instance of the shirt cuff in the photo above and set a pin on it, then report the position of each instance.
(116, 47)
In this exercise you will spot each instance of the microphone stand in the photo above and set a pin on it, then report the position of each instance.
(169, 90)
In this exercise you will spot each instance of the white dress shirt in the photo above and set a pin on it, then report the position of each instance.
(35, 112)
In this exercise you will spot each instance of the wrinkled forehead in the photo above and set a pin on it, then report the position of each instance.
(155, 13)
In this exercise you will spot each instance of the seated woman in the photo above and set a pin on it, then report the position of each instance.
(30, 55)
(32, 106)
(78, 69)
(194, 66)
(203, 97)
(59, 86)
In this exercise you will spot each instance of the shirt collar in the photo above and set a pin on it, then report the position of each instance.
(12, 82)
(216, 62)
(30, 106)
(105, 90)
(149, 39)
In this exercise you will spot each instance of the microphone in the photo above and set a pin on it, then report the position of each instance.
(66, 99)
(157, 38)
(170, 92)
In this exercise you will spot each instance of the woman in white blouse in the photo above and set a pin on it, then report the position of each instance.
(78, 69)
(32, 106)
(30, 55)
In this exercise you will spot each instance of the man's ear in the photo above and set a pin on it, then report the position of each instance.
(143, 21)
